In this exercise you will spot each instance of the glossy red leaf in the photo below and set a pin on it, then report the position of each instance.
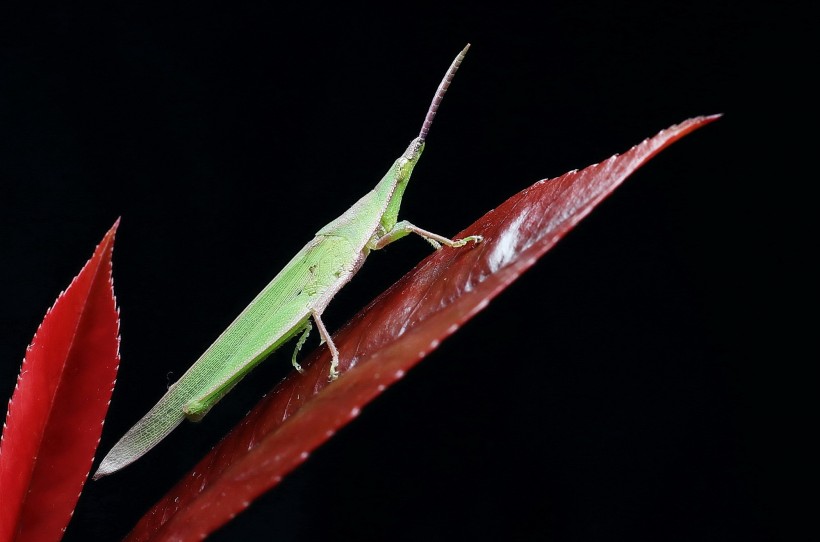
(382, 342)
(56, 412)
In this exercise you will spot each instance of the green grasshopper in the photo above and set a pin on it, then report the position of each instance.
(285, 307)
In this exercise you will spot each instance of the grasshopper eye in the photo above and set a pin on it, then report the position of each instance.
(413, 150)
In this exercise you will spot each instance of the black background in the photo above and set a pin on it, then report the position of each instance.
(640, 383)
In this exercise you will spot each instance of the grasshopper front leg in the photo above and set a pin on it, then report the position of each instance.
(404, 228)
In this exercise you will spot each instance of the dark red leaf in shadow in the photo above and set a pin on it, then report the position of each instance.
(56, 412)
(382, 342)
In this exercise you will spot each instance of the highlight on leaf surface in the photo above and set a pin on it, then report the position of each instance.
(381, 343)
(56, 412)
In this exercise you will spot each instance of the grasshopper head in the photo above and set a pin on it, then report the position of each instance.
(414, 149)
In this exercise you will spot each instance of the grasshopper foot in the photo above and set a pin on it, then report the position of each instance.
(332, 375)
(469, 239)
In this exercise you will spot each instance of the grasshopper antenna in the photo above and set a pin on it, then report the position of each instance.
(442, 88)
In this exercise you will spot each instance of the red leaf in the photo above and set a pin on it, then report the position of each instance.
(382, 342)
(56, 412)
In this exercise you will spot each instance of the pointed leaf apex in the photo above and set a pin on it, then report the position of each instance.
(55, 415)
